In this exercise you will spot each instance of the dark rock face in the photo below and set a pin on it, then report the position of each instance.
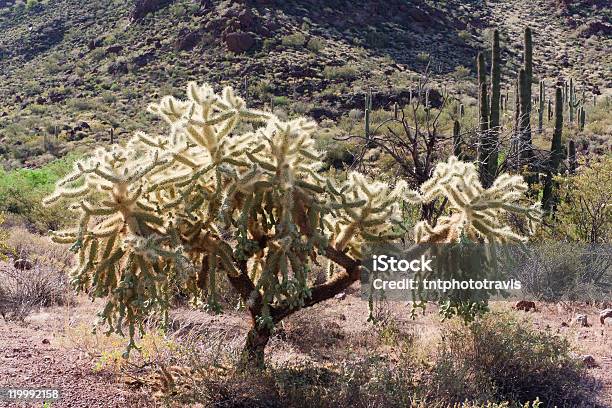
(239, 41)
(118, 67)
(42, 37)
(144, 7)
(595, 28)
(187, 40)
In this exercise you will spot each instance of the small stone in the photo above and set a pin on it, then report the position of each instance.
(340, 296)
(606, 313)
(22, 264)
(589, 361)
(581, 319)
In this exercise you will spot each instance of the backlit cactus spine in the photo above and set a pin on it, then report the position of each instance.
(476, 212)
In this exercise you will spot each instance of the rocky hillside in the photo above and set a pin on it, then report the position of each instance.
(73, 73)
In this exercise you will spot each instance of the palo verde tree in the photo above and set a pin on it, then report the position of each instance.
(236, 192)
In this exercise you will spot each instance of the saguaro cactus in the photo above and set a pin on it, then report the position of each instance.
(493, 134)
(541, 106)
(525, 80)
(581, 118)
(556, 154)
(571, 157)
(572, 101)
(524, 118)
(528, 63)
(483, 120)
(549, 110)
(457, 139)
(366, 117)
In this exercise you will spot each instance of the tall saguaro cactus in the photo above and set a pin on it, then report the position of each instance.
(556, 154)
(571, 159)
(492, 137)
(528, 58)
(524, 122)
(541, 106)
(484, 148)
(457, 139)
(525, 81)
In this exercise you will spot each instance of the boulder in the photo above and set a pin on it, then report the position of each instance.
(144, 7)
(22, 264)
(606, 313)
(114, 49)
(525, 305)
(239, 41)
(187, 40)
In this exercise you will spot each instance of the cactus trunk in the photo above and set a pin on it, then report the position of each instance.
(541, 106)
(556, 153)
(457, 139)
(572, 162)
(484, 148)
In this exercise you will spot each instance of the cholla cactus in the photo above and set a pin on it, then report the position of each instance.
(476, 212)
(364, 211)
(217, 195)
(236, 191)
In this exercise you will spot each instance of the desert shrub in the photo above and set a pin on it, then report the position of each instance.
(464, 35)
(585, 212)
(423, 56)
(82, 104)
(21, 192)
(24, 244)
(343, 72)
(30, 4)
(500, 358)
(294, 40)
(315, 44)
(460, 72)
(280, 101)
(43, 282)
(556, 270)
(4, 248)
(23, 291)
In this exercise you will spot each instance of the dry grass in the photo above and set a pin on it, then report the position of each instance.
(43, 283)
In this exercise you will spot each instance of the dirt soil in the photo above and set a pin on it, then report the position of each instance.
(36, 353)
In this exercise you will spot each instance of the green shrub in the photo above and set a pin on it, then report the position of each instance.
(500, 358)
(585, 212)
(22, 190)
(280, 100)
(423, 56)
(343, 72)
(294, 40)
(4, 249)
(30, 4)
(460, 72)
(315, 44)
(464, 35)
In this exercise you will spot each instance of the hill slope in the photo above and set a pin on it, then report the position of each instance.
(72, 70)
